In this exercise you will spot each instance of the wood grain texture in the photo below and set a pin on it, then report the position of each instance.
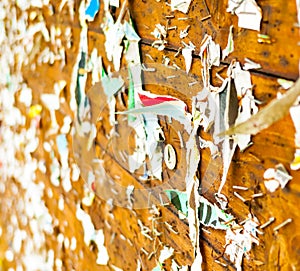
(274, 145)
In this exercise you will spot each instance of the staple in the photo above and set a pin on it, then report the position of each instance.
(171, 76)
(123, 157)
(229, 221)
(114, 191)
(151, 255)
(192, 83)
(258, 231)
(257, 195)
(206, 7)
(162, 201)
(205, 18)
(172, 28)
(176, 66)
(167, 25)
(129, 242)
(239, 196)
(171, 228)
(144, 68)
(107, 224)
(183, 18)
(220, 77)
(289, 220)
(149, 56)
(156, 232)
(144, 251)
(178, 51)
(147, 235)
(205, 230)
(180, 4)
(240, 187)
(220, 263)
(154, 210)
(169, 16)
(112, 237)
(180, 139)
(123, 237)
(270, 221)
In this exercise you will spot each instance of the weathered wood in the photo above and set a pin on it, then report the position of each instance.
(123, 237)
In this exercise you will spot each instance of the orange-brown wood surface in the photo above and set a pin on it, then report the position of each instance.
(123, 238)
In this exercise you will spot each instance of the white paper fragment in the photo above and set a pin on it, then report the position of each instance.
(102, 256)
(88, 198)
(239, 241)
(115, 268)
(251, 65)
(180, 5)
(114, 34)
(66, 125)
(90, 234)
(276, 177)
(184, 33)
(165, 254)
(114, 3)
(210, 53)
(248, 12)
(159, 31)
(176, 267)
(247, 106)
(26, 96)
(187, 54)
(295, 115)
(230, 45)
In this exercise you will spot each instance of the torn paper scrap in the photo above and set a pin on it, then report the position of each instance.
(179, 200)
(180, 5)
(247, 106)
(212, 216)
(273, 112)
(162, 105)
(165, 254)
(295, 115)
(251, 65)
(239, 241)
(275, 177)
(92, 9)
(210, 53)
(159, 32)
(154, 135)
(187, 54)
(230, 45)
(248, 12)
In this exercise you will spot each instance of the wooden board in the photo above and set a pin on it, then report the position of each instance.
(124, 241)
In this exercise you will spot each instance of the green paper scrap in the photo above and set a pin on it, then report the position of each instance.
(179, 200)
(131, 102)
(212, 216)
(209, 214)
